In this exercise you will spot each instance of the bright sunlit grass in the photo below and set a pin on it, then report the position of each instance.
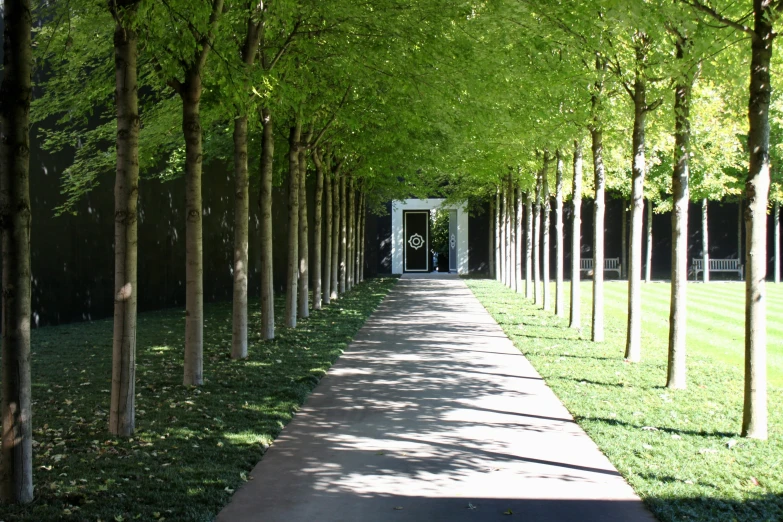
(680, 450)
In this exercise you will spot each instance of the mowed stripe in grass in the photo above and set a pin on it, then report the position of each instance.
(193, 446)
(680, 450)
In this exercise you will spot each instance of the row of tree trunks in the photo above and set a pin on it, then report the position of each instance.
(559, 254)
(16, 482)
(576, 236)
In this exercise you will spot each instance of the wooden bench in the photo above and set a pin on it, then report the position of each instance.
(717, 265)
(611, 264)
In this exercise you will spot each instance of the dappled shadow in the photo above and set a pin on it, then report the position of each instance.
(431, 407)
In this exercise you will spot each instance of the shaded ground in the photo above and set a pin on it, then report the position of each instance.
(432, 414)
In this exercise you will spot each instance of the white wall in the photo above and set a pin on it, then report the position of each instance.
(428, 204)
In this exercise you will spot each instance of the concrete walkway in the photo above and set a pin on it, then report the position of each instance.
(433, 415)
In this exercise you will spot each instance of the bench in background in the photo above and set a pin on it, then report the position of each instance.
(718, 265)
(611, 264)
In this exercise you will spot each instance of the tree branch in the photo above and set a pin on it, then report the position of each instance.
(698, 5)
(331, 120)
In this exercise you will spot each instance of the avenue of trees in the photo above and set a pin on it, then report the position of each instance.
(529, 105)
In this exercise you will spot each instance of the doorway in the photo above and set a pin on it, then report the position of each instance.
(417, 238)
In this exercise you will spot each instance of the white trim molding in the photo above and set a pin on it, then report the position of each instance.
(428, 204)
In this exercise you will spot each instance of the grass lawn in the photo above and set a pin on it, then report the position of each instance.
(193, 446)
(680, 450)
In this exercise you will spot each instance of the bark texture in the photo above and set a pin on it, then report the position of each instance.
(529, 289)
(545, 246)
(597, 146)
(318, 232)
(335, 277)
(328, 282)
(265, 205)
(350, 218)
(292, 283)
(754, 420)
(649, 234)
(122, 413)
(576, 239)
(537, 295)
(705, 240)
(303, 301)
(676, 369)
(512, 230)
(16, 473)
(498, 239)
(520, 213)
(343, 237)
(559, 254)
(776, 239)
(504, 234)
(491, 238)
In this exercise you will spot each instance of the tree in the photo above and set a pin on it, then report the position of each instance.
(292, 282)
(122, 415)
(559, 293)
(16, 474)
(576, 239)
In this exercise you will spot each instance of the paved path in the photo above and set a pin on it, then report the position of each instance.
(433, 415)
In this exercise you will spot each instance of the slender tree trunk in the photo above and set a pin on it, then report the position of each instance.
(633, 345)
(122, 418)
(363, 237)
(491, 238)
(648, 261)
(16, 482)
(512, 230)
(529, 288)
(503, 229)
(498, 238)
(624, 240)
(559, 291)
(292, 284)
(705, 241)
(676, 371)
(241, 234)
(242, 206)
(265, 205)
(327, 270)
(335, 277)
(576, 240)
(343, 237)
(318, 233)
(303, 300)
(537, 295)
(754, 421)
(740, 223)
(776, 217)
(350, 213)
(518, 245)
(545, 247)
(597, 146)
(194, 261)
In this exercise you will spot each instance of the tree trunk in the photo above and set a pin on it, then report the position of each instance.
(491, 238)
(335, 276)
(776, 217)
(624, 240)
(126, 191)
(350, 215)
(633, 345)
(343, 237)
(498, 238)
(754, 421)
(648, 261)
(242, 206)
(740, 223)
(676, 371)
(512, 232)
(597, 146)
(292, 286)
(317, 233)
(705, 241)
(328, 282)
(518, 244)
(503, 230)
(363, 236)
(529, 289)
(265, 204)
(16, 484)
(303, 300)
(545, 247)
(559, 292)
(241, 231)
(194, 261)
(576, 240)
(537, 295)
